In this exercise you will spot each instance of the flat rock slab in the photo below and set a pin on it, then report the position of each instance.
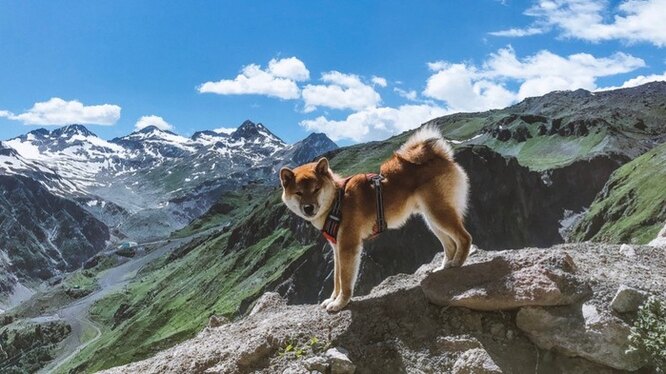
(540, 279)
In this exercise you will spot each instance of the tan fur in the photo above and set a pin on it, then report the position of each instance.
(421, 178)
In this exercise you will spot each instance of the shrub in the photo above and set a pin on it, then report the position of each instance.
(649, 332)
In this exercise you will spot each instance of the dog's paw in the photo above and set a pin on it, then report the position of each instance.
(337, 305)
(325, 303)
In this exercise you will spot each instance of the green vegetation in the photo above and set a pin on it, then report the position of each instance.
(174, 299)
(648, 333)
(27, 347)
(632, 206)
(298, 348)
(230, 206)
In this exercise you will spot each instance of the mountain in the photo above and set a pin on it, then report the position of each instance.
(155, 180)
(564, 126)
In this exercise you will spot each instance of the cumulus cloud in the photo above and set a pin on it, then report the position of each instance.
(278, 80)
(379, 81)
(410, 95)
(374, 123)
(57, 112)
(637, 81)
(344, 91)
(291, 68)
(466, 87)
(153, 120)
(593, 20)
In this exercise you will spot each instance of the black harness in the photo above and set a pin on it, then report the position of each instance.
(334, 218)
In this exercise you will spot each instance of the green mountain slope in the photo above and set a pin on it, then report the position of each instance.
(632, 206)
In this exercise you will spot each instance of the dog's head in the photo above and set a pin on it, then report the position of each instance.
(308, 190)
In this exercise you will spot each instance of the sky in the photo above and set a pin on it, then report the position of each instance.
(355, 70)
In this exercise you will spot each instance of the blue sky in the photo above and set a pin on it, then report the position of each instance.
(355, 70)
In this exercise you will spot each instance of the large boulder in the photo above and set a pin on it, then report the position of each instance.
(508, 282)
(581, 331)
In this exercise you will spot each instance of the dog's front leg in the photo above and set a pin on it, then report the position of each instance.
(348, 261)
(336, 277)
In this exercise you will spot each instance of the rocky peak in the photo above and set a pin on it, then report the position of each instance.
(71, 130)
(251, 131)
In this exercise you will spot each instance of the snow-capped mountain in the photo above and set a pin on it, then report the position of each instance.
(153, 170)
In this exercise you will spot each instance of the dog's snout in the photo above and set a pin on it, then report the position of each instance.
(309, 209)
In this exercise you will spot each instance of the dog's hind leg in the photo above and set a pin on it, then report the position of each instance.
(336, 277)
(349, 260)
(447, 242)
(446, 221)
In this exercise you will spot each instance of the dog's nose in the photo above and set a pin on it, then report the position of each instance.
(308, 209)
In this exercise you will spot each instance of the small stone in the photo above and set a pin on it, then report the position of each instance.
(510, 335)
(628, 299)
(267, 301)
(627, 250)
(340, 363)
(497, 329)
(475, 361)
(316, 363)
(217, 321)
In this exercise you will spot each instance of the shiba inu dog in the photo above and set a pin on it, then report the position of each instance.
(421, 178)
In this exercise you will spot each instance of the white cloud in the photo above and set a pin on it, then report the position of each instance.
(516, 33)
(291, 68)
(152, 120)
(466, 87)
(374, 123)
(278, 80)
(379, 81)
(345, 91)
(410, 95)
(639, 80)
(56, 112)
(225, 130)
(593, 20)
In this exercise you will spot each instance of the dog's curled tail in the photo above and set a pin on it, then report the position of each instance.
(424, 145)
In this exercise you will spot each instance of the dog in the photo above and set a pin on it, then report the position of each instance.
(420, 178)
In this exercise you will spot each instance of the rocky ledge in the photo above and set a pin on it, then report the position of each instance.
(565, 309)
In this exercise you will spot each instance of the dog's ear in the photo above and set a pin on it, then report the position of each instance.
(322, 166)
(286, 176)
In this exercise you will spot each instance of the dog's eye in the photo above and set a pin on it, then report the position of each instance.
(317, 190)
(299, 193)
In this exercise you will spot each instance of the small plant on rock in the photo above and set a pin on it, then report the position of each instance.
(649, 332)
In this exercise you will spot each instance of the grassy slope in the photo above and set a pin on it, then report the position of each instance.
(173, 301)
(632, 207)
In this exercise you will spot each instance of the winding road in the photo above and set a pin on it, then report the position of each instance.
(76, 313)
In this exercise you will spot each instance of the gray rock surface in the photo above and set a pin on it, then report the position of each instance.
(339, 362)
(581, 331)
(476, 361)
(396, 329)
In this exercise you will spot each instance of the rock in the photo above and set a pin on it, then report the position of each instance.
(217, 321)
(340, 363)
(317, 363)
(507, 283)
(457, 343)
(267, 301)
(581, 331)
(660, 240)
(628, 299)
(627, 250)
(475, 361)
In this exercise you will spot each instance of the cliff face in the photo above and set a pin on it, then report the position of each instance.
(510, 207)
(42, 234)
(466, 320)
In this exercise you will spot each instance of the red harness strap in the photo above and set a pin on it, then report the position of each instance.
(334, 218)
